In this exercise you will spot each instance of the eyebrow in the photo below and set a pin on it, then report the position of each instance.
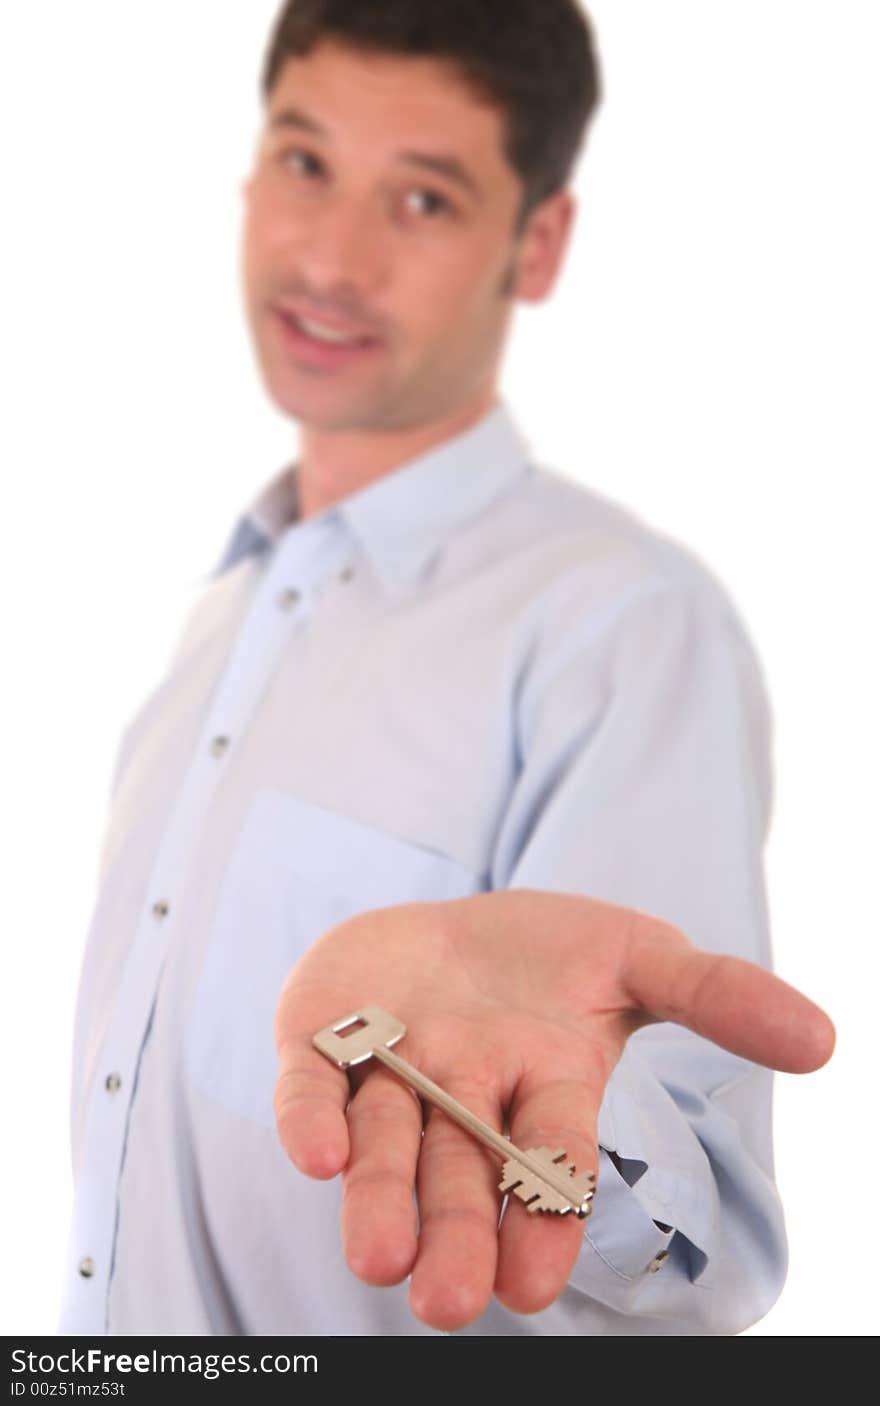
(440, 162)
(444, 165)
(294, 117)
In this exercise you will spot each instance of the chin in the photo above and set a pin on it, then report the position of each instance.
(316, 414)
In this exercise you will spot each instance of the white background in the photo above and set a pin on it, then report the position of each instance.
(709, 358)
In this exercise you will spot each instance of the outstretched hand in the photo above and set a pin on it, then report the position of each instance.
(518, 1003)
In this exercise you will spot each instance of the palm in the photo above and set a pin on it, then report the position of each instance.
(518, 1004)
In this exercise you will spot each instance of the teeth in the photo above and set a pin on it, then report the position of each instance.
(324, 334)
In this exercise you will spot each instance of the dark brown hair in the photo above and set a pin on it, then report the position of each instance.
(534, 59)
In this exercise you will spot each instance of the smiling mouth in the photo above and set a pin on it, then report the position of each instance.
(315, 345)
(322, 333)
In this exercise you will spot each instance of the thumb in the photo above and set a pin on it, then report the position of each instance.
(732, 1002)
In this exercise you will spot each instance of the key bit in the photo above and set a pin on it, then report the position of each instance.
(536, 1192)
(541, 1178)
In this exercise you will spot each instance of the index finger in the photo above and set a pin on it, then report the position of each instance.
(556, 1106)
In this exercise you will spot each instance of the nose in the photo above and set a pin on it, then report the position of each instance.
(343, 253)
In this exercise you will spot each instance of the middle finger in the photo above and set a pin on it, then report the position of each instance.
(459, 1207)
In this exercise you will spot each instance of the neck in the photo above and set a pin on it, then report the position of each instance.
(331, 466)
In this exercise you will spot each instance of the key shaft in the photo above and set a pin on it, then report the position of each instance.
(480, 1130)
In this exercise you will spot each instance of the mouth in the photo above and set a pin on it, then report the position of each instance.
(318, 343)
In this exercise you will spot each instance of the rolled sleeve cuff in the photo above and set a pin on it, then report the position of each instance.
(671, 1196)
(622, 1241)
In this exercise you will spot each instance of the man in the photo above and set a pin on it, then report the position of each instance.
(445, 733)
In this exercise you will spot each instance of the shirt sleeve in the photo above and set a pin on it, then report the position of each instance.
(644, 779)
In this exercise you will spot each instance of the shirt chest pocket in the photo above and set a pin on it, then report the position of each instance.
(295, 870)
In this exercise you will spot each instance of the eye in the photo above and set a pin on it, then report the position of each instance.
(424, 200)
(310, 162)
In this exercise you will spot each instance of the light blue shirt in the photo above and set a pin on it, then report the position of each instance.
(472, 674)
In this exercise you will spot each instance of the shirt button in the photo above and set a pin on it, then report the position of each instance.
(219, 745)
(112, 1083)
(160, 909)
(658, 1261)
(86, 1267)
(288, 599)
(346, 573)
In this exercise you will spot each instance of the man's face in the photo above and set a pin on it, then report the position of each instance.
(381, 208)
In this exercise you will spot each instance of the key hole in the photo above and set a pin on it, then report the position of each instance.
(353, 1026)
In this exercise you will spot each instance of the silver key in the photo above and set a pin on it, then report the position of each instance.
(541, 1177)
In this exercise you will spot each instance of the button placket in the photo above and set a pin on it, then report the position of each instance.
(252, 662)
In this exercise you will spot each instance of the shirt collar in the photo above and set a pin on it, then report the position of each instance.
(402, 520)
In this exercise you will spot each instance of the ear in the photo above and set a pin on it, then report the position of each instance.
(543, 243)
